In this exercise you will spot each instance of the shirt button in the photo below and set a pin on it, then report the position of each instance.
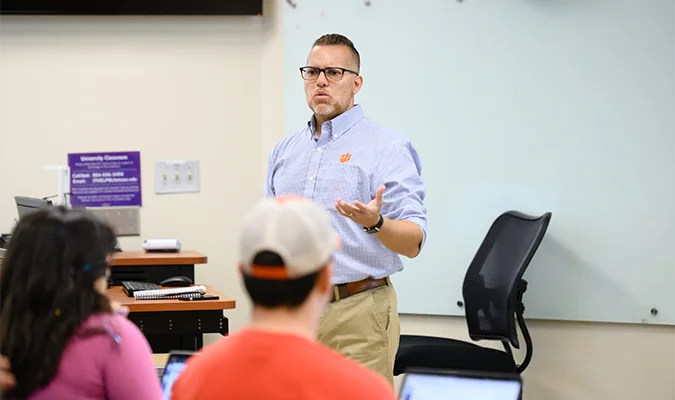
(318, 149)
(311, 178)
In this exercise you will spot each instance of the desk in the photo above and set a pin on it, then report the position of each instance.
(154, 267)
(143, 267)
(176, 324)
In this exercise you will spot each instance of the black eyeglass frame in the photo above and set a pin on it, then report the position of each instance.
(343, 70)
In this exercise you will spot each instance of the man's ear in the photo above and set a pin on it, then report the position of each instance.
(358, 83)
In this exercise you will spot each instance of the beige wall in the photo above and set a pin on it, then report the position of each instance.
(586, 361)
(173, 88)
(211, 89)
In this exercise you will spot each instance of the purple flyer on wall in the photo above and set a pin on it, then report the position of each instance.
(105, 179)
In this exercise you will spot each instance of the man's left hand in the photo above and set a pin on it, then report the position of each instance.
(367, 215)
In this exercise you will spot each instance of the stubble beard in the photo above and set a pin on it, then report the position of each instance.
(324, 110)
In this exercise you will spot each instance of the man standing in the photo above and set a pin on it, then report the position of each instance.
(369, 177)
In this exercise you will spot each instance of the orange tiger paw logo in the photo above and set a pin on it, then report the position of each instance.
(345, 157)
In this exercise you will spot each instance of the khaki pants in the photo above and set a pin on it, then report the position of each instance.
(364, 327)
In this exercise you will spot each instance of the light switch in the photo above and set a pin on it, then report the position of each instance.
(177, 176)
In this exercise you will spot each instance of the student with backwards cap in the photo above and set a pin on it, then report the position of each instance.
(286, 250)
(60, 336)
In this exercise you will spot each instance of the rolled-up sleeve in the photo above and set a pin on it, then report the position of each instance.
(404, 193)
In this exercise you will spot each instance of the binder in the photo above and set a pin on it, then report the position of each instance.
(176, 293)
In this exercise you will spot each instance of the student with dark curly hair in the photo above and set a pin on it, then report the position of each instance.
(58, 330)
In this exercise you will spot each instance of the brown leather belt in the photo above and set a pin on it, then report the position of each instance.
(345, 290)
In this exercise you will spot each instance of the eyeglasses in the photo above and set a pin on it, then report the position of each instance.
(331, 73)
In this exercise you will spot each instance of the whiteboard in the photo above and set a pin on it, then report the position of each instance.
(561, 106)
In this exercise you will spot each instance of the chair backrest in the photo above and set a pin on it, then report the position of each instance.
(491, 284)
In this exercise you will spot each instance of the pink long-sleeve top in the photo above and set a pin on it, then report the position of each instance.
(113, 363)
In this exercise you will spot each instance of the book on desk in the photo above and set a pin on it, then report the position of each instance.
(174, 293)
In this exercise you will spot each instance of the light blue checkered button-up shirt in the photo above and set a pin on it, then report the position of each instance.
(351, 159)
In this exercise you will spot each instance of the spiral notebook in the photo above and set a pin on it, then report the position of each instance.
(176, 293)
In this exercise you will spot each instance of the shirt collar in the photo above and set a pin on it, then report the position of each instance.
(340, 124)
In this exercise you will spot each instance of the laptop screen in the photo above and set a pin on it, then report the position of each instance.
(448, 386)
(174, 366)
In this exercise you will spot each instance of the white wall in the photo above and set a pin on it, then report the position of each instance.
(211, 89)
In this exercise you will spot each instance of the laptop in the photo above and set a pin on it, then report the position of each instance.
(172, 369)
(28, 205)
(428, 384)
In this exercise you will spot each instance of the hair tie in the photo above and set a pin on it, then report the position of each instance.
(57, 312)
(87, 267)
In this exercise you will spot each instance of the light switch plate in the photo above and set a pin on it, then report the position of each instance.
(180, 176)
(126, 221)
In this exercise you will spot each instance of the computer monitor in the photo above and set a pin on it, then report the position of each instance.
(422, 384)
(28, 205)
(174, 366)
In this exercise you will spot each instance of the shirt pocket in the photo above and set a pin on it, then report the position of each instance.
(342, 181)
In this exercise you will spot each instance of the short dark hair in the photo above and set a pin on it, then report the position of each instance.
(335, 39)
(269, 293)
(47, 289)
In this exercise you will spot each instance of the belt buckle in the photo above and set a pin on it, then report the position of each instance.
(336, 294)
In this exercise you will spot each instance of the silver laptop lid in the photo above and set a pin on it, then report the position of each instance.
(448, 385)
(29, 205)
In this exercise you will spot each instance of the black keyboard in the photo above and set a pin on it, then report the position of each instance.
(130, 287)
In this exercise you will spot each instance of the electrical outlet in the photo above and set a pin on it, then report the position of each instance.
(177, 176)
(126, 221)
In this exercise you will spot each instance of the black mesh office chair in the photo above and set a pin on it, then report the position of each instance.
(493, 293)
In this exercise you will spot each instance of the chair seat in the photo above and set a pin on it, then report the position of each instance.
(443, 353)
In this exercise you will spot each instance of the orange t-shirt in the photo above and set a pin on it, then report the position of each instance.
(253, 364)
